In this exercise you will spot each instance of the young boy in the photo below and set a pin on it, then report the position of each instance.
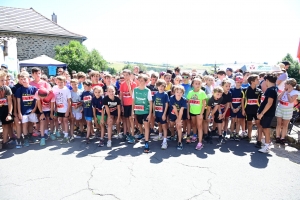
(81, 78)
(126, 90)
(26, 107)
(152, 87)
(86, 99)
(76, 109)
(142, 104)
(267, 109)
(213, 111)
(221, 76)
(107, 82)
(5, 109)
(177, 105)
(245, 83)
(63, 106)
(237, 112)
(186, 123)
(95, 79)
(225, 105)
(252, 102)
(161, 101)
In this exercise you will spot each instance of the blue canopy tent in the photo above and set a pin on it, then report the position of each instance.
(49, 65)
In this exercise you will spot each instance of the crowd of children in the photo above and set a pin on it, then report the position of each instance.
(183, 106)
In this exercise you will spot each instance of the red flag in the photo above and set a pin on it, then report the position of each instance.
(298, 54)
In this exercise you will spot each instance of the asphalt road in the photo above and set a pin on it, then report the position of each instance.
(79, 171)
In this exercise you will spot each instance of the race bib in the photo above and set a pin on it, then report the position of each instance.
(195, 102)
(112, 109)
(222, 106)
(252, 102)
(262, 98)
(236, 100)
(173, 112)
(87, 98)
(45, 104)
(126, 95)
(159, 108)
(139, 107)
(74, 104)
(3, 101)
(28, 98)
(153, 93)
(284, 103)
(60, 105)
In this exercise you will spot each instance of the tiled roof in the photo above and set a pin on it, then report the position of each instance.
(29, 21)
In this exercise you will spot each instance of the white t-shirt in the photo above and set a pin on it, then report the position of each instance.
(61, 98)
(283, 77)
(284, 102)
(219, 82)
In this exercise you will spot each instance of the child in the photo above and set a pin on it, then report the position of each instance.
(152, 87)
(221, 76)
(45, 102)
(107, 82)
(237, 108)
(245, 83)
(86, 99)
(95, 75)
(26, 107)
(81, 78)
(252, 102)
(267, 110)
(63, 106)
(186, 123)
(76, 108)
(177, 80)
(142, 104)
(167, 78)
(214, 111)
(126, 90)
(112, 105)
(284, 110)
(225, 104)
(195, 108)
(5, 110)
(98, 112)
(177, 106)
(161, 101)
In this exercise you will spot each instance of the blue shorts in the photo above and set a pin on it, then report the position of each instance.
(88, 118)
(159, 120)
(238, 114)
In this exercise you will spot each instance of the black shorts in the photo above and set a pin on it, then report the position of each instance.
(265, 122)
(184, 114)
(61, 114)
(142, 118)
(250, 117)
(216, 118)
(3, 115)
(238, 115)
(127, 111)
(159, 120)
(193, 115)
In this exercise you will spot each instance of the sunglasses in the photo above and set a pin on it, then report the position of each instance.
(185, 77)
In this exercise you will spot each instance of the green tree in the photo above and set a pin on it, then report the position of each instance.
(294, 68)
(112, 71)
(128, 66)
(78, 58)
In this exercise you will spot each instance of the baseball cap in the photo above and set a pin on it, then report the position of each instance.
(43, 92)
(229, 69)
(4, 65)
(238, 79)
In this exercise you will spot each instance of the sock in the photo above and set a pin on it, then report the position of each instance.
(66, 134)
(160, 134)
(195, 135)
(165, 140)
(46, 132)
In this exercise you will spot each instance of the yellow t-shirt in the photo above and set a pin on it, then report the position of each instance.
(168, 87)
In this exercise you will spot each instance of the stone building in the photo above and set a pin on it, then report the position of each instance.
(36, 34)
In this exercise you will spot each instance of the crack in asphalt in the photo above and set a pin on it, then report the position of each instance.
(37, 179)
(131, 172)
(73, 193)
(10, 184)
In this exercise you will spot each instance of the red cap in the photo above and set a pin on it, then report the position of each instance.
(239, 79)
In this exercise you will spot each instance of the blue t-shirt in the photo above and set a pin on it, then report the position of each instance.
(86, 98)
(27, 98)
(160, 100)
(179, 104)
(187, 89)
(97, 103)
(80, 86)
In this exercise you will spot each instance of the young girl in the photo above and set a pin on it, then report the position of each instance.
(225, 104)
(45, 101)
(98, 112)
(284, 110)
(196, 104)
(112, 105)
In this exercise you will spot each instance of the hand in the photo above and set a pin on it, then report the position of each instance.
(164, 117)
(33, 111)
(178, 122)
(132, 115)
(102, 121)
(110, 119)
(67, 114)
(243, 112)
(259, 116)
(148, 117)
(20, 116)
(8, 118)
(42, 117)
(188, 116)
(220, 116)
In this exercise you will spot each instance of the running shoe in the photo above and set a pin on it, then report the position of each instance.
(278, 141)
(26, 142)
(108, 143)
(101, 143)
(179, 146)
(164, 145)
(65, 140)
(43, 142)
(188, 140)
(159, 137)
(221, 140)
(136, 136)
(31, 140)
(224, 133)
(231, 136)
(184, 135)
(87, 140)
(7, 146)
(236, 137)
(36, 133)
(131, 139)
(140, 136)
(71, 138)
(152, 131)
(282, 141)
(121, 136)
(57, 134)
(265, 149)
(46, 136)
(19, 144)
(146, 148)
(199, 146)
(52, 137)
(258, 144)
(194, 139)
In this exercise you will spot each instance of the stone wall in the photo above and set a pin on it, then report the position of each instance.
(31, 46)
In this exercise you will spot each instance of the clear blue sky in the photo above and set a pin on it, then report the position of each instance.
(180, 32)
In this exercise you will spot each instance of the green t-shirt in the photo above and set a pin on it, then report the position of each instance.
(141, 101)
(196, 99)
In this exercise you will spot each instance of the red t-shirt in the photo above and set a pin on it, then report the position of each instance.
(127, 98)
(97, 84)
(40, 84)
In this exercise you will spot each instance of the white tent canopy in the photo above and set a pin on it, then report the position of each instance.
(42, 61)
(252, 67)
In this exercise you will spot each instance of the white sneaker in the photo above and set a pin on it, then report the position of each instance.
(244, 134)
(265, 149)
(136, 136)
(164, 145)
(108, 143)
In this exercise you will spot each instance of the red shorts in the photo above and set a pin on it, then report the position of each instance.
(227, 113)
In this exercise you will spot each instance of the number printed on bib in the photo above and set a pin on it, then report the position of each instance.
(139, 107)
(74, 104)
(28, 98)
(159, 108)
(60, 105)
(284, 103)
(262, 98)
(236, 100)
(252, 102)
(3, 101)
(195, 102)
(87, 98)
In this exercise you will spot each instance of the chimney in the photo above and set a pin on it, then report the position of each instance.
(54, 18)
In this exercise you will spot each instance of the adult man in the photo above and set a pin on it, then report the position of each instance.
(229, 73)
